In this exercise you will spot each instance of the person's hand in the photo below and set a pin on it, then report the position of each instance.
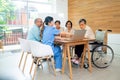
(57, 38)
(68, 35)
(71, 35)
(63, 34)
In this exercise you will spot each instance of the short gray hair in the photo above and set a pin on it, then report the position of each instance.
(37, 20)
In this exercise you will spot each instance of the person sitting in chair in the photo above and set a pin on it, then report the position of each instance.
(89, 34)
(34, 32)
(69, 30)
(58, 27)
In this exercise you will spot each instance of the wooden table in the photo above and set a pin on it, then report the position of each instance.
(66, 51)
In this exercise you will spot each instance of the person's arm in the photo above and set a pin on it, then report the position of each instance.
(57, 38)
(56, 32)
(36, 33)
(63, 34)
(89, 34)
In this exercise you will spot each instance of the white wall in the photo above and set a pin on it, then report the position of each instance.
(61, 12)
(114, 43)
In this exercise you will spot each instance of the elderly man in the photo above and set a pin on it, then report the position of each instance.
(89, 34)
(34, 32)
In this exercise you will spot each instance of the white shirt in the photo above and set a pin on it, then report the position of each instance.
(71, 31)
(61, 29)
(89, 33)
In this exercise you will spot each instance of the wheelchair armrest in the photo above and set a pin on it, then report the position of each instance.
(96, 43)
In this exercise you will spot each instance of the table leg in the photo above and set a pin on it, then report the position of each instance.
(69, 62)
(89, 58)
(83, 56)
(64, 59)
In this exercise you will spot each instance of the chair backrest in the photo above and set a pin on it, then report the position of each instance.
(40, 50)
(100, 35)
(25, 46)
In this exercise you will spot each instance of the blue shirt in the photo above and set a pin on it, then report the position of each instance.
(34, 33)
(49, 34)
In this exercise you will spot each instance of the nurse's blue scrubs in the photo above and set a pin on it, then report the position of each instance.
(48, 39)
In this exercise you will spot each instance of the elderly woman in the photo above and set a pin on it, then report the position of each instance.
(69, 30)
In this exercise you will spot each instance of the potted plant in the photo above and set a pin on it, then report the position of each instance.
(1, 37)
(2, 22)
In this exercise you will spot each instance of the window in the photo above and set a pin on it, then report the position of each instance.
(22, 12)
(16, 14)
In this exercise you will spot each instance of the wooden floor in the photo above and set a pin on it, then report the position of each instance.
(10, 71)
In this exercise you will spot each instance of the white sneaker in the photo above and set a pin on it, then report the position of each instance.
(58, 70)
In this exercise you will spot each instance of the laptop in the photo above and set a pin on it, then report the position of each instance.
(78, 35)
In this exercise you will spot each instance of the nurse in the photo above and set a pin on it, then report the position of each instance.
(48, 33)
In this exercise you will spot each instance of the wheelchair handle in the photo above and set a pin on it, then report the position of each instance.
(106, 30)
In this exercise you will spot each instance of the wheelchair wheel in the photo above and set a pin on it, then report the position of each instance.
(102, 56)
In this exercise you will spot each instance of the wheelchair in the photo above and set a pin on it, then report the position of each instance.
(102, 54)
